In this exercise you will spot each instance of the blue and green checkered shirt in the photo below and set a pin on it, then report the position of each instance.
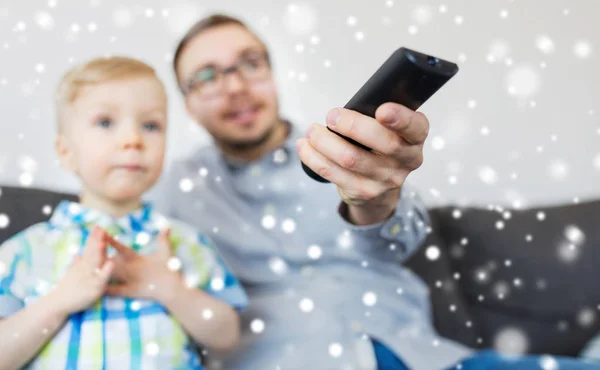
(115, 333)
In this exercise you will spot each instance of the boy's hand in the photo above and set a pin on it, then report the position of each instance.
(143, 276)
(86, 279)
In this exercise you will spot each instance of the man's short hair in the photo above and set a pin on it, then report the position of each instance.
(96, 71)
(200, 26)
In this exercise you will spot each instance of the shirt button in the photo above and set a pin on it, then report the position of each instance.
(395, 229)
(280, 156)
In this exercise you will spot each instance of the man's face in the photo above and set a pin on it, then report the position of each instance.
(238, 109)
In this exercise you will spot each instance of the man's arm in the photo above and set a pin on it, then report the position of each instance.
(399, 232)
(27, 330)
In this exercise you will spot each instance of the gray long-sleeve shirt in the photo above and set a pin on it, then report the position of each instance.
(317, 285)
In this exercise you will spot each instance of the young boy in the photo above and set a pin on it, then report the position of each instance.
(107, 282)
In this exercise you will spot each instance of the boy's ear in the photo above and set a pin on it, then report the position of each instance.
(64, 153)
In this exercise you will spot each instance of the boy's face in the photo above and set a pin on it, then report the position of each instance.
(114, 137)
(243, 113)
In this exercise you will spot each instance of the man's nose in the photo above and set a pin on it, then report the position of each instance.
(234, 82)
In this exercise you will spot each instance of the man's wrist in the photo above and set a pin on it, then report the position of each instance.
(371, 212)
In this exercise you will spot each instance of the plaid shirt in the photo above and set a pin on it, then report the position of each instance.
(114, 333)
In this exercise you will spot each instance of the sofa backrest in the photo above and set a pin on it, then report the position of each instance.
(525, 280)
(23, 207)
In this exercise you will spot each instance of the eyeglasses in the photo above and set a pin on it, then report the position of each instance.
(210, 81)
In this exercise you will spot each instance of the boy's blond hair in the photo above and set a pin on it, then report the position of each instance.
(97, 71)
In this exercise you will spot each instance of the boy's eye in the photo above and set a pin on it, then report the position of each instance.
(152, 126)
(104, 122)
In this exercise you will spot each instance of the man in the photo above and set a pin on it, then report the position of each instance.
(324, 277)
(323, 274)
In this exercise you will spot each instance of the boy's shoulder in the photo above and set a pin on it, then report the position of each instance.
(37, 234)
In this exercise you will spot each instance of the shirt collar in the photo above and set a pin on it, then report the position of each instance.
(69, 214)
(277, 156)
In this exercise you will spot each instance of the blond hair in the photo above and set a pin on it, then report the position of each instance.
(93, 72)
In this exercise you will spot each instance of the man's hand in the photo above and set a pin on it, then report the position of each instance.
(368, 182)
(143, 276)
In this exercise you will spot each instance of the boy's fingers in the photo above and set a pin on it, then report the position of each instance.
(164, 243)
(122, 249)
(106, 271)
(95, 247)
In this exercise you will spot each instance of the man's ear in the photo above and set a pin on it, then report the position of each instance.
(65, 153)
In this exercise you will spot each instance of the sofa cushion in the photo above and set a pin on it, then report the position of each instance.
(528, 278)
(23, 207)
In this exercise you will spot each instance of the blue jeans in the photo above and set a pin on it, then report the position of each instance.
(487, 360)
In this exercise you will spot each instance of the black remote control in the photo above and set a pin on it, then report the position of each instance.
(407, 77)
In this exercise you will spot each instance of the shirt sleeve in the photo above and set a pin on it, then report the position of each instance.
(398, 237)
(12, 272)
(203, 268)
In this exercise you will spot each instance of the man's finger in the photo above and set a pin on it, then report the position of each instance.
(412, 126)
(353, 184)
(364, 129)
(122, 249)
(349, 156)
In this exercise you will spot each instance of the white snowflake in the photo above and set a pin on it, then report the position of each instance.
(26, 179)
(432, 253)
(288, 226)
(545, 44)
(257, 326)
(335, 350)
(438, 143)
(44, 20)
(306, 305)
(278, 265)
(369, 299)
(548, 363)
(314, 252)
(488, 175)
(511, 341)
(413, 30)
(459, 20)
(586, 317)
(574, 234)
(186, 185)
(207, 314)
(152, 349)
(499, 49)
(300, 19)
(174, 264)
(422, 14)
(359, 35)
(558, 170)
(351, 21)
(268, 222)
(523, 82)
(582, 49)
(217, 284)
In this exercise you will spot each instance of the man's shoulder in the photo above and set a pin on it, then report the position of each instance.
(181, 230)
(207, 156)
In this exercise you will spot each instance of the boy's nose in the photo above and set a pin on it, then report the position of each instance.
(133, 140)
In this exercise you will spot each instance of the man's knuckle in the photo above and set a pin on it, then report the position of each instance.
(349, 160)
(323, 171)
